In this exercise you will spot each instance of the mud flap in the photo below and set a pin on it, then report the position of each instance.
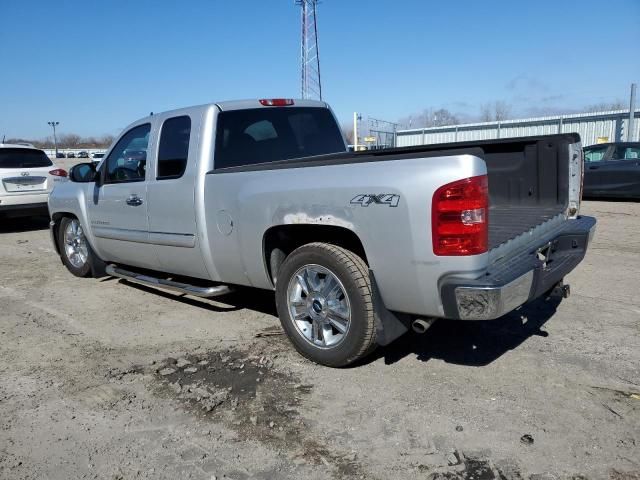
(389, 326)
(97, 267)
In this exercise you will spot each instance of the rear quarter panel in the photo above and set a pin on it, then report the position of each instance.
(242, 206)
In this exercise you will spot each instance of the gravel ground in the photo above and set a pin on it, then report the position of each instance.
(103, 379)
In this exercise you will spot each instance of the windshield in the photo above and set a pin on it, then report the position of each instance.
(23, 158)
(247, 137)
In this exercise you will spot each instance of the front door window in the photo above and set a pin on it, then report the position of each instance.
(127, 162)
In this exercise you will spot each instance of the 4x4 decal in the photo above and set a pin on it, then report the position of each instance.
(366, 199)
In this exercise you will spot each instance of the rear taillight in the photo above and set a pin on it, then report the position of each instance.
(58, 172)
(276, 102)
(459, 217)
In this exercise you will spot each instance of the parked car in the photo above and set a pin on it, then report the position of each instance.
(358, 246)
(97, 156)
(71, 155)
(612, 170)
(60, 155)
(27, 176)
(83, 154)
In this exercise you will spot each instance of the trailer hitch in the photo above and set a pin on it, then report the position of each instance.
(559, 290)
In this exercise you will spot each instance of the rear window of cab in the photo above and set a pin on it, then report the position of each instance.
(262, 135)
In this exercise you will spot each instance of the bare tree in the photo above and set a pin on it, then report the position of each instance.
(70, 140)
(430, 117)
(604, 106)
(46, 143)
(486, 114)
(443, 117)
(106, 140)
(348, 132)
(502, 111)
(495, 111)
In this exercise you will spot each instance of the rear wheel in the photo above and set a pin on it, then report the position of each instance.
(75, 251)
(323, 295)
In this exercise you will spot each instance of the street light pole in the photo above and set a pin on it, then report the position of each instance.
(355, 131)
(631, 131)
(55, 139)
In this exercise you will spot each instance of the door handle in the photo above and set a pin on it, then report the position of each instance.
(134, 200)
(593, 168)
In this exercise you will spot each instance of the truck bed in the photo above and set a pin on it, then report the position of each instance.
(528, 176)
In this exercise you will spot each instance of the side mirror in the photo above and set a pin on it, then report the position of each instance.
(83, 173)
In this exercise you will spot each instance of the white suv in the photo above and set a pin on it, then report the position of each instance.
(27, 176)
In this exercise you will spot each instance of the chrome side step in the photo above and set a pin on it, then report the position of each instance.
(149, 281)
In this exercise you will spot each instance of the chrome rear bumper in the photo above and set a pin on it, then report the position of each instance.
(520, 279)
(486, 303)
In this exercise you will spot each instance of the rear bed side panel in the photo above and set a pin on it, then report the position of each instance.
(397, 239)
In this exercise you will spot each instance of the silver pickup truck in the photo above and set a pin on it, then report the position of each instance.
(358, 246)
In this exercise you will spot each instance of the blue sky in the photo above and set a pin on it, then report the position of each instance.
(95, 66)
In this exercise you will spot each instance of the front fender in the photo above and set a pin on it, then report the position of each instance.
(70, 199)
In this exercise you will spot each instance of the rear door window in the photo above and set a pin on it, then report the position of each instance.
(174, 147)
(262, 135)
(23, 158)
(595, 154)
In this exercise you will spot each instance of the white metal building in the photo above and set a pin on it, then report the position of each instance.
(611, 126)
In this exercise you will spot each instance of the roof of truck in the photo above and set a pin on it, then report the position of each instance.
(255, 103)
(226, 105)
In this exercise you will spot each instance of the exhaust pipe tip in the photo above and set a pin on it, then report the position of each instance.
(421, 325)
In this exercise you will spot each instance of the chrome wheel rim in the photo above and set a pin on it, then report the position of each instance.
(319, 306)
(75, 244)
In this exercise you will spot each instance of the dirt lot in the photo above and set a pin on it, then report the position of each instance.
(102, 379)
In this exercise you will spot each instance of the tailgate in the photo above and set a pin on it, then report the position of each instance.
(534, 186)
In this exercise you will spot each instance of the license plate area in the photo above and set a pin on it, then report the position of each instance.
(24, 184)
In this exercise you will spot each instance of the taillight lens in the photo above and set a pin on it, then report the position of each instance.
(459, 217)
(276, 102)
(58, 172)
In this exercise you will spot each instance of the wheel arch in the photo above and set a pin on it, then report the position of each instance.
(97, 264)
(280, 240)
(56, 219)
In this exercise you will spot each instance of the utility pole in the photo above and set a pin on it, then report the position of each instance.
(356, 117)
(55, 139)
(632, 113)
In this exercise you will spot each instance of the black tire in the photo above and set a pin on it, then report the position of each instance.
(85, 270)
(353, 273)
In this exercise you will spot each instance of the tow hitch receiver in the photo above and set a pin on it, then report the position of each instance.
(560, 290)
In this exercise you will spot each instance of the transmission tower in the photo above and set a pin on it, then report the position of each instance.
(310, 56)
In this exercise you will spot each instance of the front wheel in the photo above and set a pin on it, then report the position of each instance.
(75, 251)
(324, 301)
